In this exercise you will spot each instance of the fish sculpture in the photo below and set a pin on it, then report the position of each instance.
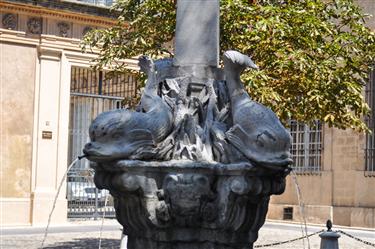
(256, 132)
(126, 134)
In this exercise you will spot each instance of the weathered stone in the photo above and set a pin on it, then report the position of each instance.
(34, 25)
(197, 33)
(64, 29)
(188, 204)
(207, 156)
(10, 21)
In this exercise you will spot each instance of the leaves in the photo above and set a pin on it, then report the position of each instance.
(314, 55)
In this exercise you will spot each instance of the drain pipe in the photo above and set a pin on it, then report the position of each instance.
(329, 239)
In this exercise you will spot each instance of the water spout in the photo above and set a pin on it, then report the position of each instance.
(301, 209)
(101, 227)
(56, 196)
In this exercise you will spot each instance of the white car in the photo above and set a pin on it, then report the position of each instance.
(85, 192)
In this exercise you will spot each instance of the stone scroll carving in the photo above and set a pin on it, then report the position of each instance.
(86, 30)
(176, 205)
(9, 21)
(63, 28)
(34, 25)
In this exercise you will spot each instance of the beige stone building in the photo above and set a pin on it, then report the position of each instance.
(48, 96)
(42, 74)
(335, 170)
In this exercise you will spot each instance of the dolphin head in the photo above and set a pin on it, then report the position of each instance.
(113, 137)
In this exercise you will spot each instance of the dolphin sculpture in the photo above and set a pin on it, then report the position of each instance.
(125, 134)
(256, 130)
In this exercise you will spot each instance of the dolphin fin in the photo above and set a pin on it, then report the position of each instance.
(141, 136)
(240, 139)
(236, 135)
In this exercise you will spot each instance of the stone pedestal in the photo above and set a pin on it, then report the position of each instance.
(185, 204)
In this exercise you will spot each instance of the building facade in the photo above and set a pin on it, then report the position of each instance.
(45, 81)
(335, 170)
(40, 59)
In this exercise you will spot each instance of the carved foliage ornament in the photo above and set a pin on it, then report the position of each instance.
(34, 25)
(86, 30)
(64, 28)
(10, 21)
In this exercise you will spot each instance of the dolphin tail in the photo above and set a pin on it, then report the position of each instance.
(238, 59)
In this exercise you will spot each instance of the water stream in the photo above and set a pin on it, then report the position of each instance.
(55, 200)
(103, 217)
(301, 209)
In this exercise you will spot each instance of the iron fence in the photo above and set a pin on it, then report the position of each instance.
(91, 94)
(370, 121)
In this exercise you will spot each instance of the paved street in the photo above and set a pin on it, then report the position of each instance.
(85, 235)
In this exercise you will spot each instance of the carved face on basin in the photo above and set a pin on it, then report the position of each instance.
(113, 137)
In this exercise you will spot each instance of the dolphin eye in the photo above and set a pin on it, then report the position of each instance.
(260, 140)
(269, 135)
(264, 138)
(116, 135)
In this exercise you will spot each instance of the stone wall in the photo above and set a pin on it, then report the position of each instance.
(342, 191)
(38, 46)
(17, 98)
(368, 6)
(17, 78)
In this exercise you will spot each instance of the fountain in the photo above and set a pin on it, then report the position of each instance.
(195, 165)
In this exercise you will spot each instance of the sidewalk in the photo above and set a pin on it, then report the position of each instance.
(85, 235)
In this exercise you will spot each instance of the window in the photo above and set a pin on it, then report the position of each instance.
(306, 146)
(370, 120)
(288, 213)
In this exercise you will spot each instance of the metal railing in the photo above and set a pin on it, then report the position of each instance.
(370, 121)
(91, 94)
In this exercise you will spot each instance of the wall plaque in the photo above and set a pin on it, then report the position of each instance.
(47, 134)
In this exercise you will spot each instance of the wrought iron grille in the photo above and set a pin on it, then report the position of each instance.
(307, 146)
(370, 120)
(91, 94)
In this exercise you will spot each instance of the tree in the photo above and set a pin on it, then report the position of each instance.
(314, 55)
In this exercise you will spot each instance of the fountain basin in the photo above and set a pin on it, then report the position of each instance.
(187, 204)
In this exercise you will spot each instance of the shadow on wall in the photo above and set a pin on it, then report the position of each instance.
(86, 243)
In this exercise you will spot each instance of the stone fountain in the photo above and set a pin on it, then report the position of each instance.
(195, 164)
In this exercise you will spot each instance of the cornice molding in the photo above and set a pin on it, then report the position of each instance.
(13, 36)
(57, 14)
(48, 53)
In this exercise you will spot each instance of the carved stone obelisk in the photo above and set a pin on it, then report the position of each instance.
(197, 33)
(195, 165)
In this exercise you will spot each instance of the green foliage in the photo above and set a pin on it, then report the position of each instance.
(314, 55)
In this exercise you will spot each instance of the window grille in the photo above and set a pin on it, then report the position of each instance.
(288, 213)
(306, 147)
(370, 120)
(91, 93)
